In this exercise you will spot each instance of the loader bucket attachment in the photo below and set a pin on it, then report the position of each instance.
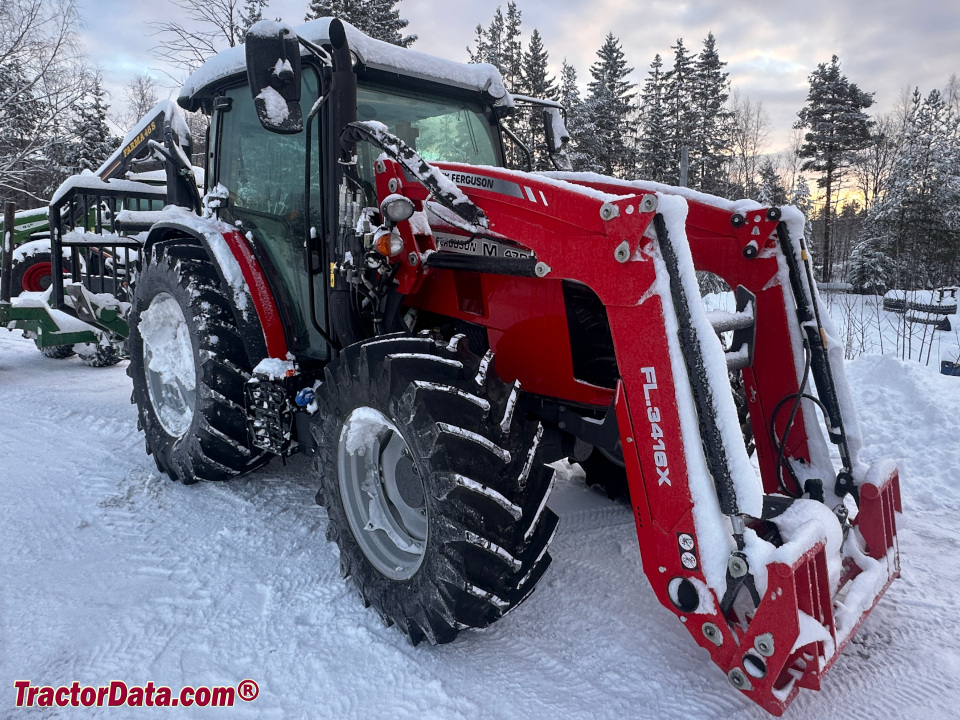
(811, 548)
(800, 627)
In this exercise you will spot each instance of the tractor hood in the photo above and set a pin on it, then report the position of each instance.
(371, 53)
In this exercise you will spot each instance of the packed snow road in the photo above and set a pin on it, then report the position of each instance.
(110, 571)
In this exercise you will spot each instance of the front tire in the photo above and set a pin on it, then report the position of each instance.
(188, 367)
(607, 471)
(433, 485)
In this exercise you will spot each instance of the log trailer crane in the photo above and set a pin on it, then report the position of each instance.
(90, 245)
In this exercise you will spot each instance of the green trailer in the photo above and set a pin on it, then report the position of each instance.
(65, 271)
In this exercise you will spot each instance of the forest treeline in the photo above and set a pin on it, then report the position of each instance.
(882, 190)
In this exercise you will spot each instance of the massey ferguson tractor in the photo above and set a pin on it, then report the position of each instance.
(366, 283)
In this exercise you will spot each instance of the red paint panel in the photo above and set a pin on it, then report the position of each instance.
(527, 329)
(263, 300)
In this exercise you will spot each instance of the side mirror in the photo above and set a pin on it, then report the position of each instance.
(273, 71)
(555, 131)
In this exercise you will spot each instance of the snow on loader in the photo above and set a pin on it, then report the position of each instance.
(366, 283)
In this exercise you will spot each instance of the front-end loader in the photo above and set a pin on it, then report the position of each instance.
(368, 284)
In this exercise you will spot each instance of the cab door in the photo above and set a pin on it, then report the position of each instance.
(264, 174)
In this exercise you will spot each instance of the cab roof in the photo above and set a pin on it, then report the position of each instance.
(370, 53)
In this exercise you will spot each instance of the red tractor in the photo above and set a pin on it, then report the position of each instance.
(366, 283)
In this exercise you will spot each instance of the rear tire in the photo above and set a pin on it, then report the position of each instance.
(33, 273)
(188, 367)
(434, 488)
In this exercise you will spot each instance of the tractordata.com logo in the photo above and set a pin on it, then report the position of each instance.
(118, 694)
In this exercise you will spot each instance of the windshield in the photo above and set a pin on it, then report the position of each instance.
(437, 128)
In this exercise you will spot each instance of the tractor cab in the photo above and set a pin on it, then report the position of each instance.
(274, 150)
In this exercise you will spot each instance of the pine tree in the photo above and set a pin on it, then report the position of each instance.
(91, 141)
(772, 191)
(513, 50)
(576, 120)
(537, 83)
(481, 51)
(710, 138)
(609, 109)
(569, 90)
(499, 44)
(57, 157)
(680, 108)
(19, 108)
(838, 127)
(489, 42)
(385, 18)
(871, 269)
(802, 199)
(536, 78)
(323, 8)
(654, 155)
(916, 223)
(252, 13)
(379, 19)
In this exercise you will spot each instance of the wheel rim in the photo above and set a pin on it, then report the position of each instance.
(37, 278)
(168, 364)
(383, 494)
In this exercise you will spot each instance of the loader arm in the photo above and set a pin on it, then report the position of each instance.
(772, 584)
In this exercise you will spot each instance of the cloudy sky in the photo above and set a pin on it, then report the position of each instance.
(771, 46)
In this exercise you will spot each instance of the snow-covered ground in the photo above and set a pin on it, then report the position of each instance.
(108, 570)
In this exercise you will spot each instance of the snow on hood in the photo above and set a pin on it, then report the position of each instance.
(374, 54)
